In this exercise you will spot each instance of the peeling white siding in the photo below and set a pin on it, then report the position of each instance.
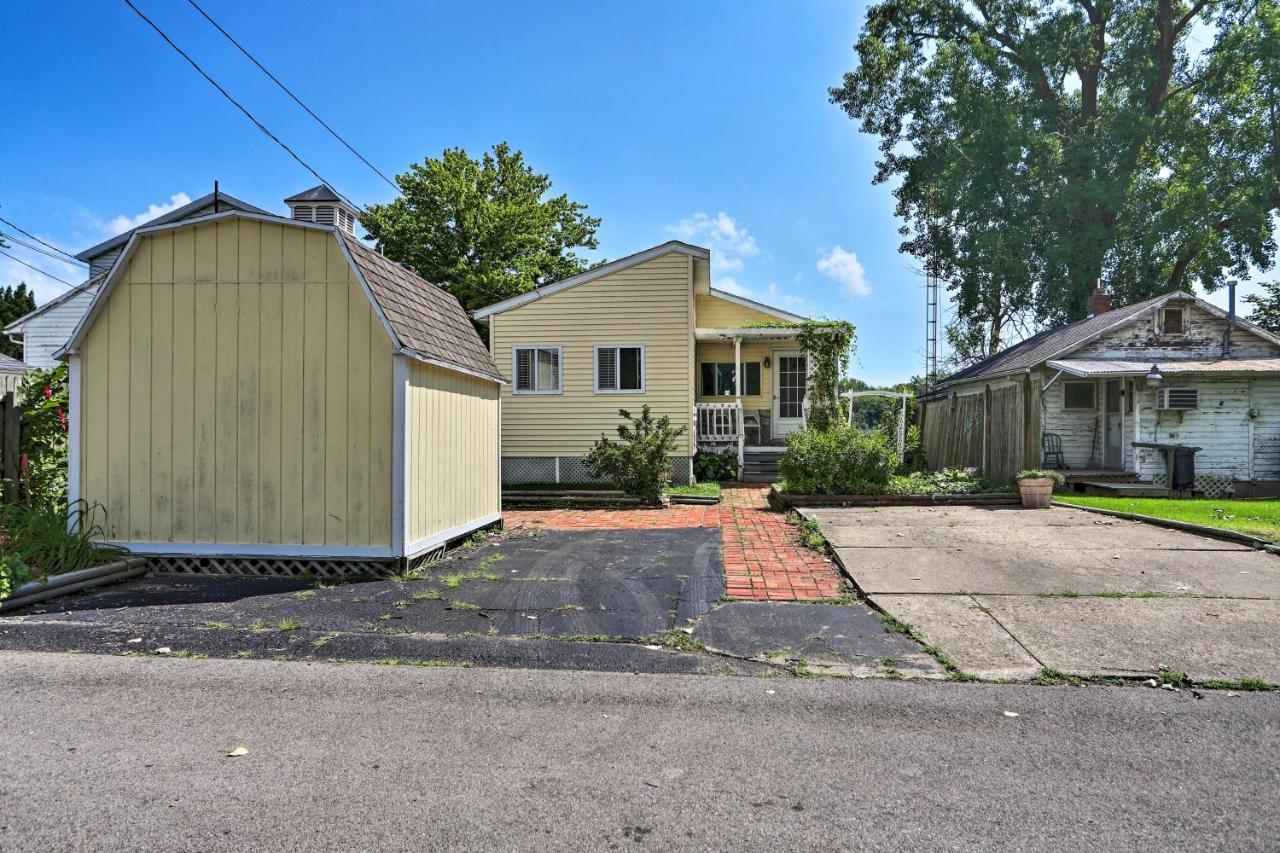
(1220, 425)
(1203, 339)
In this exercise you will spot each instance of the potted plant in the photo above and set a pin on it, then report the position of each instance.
(1036, 487)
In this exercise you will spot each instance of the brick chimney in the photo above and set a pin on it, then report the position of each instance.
(1099, 302)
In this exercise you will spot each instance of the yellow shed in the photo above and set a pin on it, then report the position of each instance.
(248, 390)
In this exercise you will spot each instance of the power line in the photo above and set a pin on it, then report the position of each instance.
(237, 104)
(34, 248)
(22, 230)
(289, 92)
(37, 269)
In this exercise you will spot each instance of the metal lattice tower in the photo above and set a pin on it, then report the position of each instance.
(931, 299)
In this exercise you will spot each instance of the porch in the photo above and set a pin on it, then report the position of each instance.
(751, 387)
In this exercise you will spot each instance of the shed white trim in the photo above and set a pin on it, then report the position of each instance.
(591, 275)
(399, 453)
(437, 539)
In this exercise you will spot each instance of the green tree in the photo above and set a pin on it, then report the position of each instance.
(1040, 145)
(1265, 306)
(482, 228)
(15, 302)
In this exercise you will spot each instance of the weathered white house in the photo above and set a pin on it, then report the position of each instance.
(46, 330)
(1110, 397)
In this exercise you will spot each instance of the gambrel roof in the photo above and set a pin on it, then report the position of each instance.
(423, 321)
(1064, 340)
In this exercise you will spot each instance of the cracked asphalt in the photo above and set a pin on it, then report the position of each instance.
(636, 600)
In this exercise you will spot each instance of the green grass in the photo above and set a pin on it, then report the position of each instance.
(1257, 518)
(701, 490)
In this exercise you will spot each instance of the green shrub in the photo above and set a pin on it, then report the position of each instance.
(1039, 474)
(948, 481)
(50, 541)
(710, 466)
(639, 463)
(13, 573)
(838, 460)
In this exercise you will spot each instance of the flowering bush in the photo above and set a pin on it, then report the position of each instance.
(44, 446)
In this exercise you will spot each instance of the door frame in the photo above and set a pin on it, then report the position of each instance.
(793, 424)
(1119, 413)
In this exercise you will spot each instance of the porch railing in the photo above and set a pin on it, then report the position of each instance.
(720, 425)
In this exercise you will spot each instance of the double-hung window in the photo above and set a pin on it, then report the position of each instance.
(536, 369)
(619, 369)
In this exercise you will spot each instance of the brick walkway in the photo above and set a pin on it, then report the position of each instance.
(676, 515)
(764, 559)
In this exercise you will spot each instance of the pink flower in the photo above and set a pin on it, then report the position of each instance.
(62, 418)
(48, 392)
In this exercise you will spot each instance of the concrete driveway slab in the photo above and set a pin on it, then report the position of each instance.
(831, 639)
(971, 638)
(1204, 638)
(949, 516)
(1109, 535)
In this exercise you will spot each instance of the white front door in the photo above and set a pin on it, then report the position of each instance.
(790, 374)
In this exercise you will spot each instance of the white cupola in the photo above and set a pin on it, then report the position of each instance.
(324, 207)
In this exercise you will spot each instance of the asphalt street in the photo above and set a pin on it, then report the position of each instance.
(108, 753)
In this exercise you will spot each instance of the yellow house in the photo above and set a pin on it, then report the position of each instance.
(647, 328)
(249, 387)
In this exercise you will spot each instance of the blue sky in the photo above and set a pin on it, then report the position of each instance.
(707, 121)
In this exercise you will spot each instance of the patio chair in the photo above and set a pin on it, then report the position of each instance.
(1052, 445)
(751, 421)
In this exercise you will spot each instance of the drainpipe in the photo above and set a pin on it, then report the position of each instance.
(1231, 319)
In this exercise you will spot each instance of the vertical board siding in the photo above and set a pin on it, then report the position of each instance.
(237, 389)
(452, 450)
(646, 304)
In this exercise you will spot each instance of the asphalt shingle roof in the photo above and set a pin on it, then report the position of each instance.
(12, 365)
(320, 193)
(426, 318)
(1051, 342)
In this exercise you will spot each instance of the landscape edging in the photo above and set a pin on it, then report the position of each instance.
(32, 592)
(787, 500)
(1185, 526)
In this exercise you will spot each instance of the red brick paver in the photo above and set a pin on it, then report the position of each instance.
(640, 518)
(764, 558)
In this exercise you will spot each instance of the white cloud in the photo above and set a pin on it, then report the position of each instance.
(843, 266)
(728, 241)
(12, 272)
(124, 222)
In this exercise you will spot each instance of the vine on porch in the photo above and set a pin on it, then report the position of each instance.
(829, 344)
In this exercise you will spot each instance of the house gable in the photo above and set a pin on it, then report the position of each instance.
(720, 310)
(647, 304)
(1203, 327)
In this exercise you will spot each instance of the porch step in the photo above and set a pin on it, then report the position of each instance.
(759, 476)
(763, 455)
(761, 467)
(1120, 489)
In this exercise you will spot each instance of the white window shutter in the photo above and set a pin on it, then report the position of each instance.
(607, 369)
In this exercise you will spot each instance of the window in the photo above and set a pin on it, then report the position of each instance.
(1172, 321)
(1079, 395)
(717, 378)
(619, 369)
(535, 369)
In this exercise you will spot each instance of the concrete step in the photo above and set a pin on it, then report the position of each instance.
(759, 477)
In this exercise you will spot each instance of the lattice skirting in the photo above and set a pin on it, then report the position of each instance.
(1211, 485)
(267, 567)
(524, 469)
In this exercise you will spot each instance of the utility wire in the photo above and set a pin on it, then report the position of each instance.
(34, 248)
(37, 269)
(214, 83)
(22, 230)
(289, 92)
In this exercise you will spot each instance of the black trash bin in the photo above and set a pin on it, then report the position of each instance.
(1184, 468)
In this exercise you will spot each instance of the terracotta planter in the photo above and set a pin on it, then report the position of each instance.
(1037, 492)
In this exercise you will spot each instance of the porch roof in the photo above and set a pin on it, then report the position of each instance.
(755, 333)
(1107, 367)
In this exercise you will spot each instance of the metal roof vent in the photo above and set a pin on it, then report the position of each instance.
(324, 207)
